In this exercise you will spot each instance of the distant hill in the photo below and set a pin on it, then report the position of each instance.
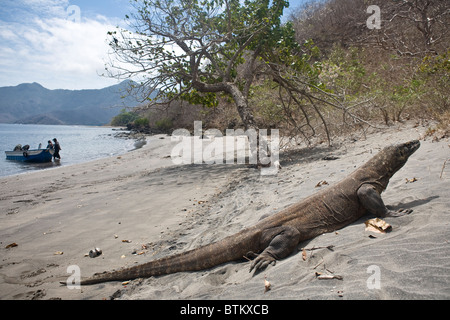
(31, 103)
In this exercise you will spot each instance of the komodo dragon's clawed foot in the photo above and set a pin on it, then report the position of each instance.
(260, 261)
(398, 213)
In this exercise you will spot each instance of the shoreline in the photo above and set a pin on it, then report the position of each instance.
(139, 206)
(118, 133)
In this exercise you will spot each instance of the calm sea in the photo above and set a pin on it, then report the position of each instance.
(78, 143)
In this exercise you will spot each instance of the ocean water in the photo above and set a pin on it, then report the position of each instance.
(79, 144)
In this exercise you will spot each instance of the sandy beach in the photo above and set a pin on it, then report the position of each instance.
(141, 206)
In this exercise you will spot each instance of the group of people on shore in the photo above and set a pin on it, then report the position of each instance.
(56, 147)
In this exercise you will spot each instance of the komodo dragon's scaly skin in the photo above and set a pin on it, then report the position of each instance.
(276, 236)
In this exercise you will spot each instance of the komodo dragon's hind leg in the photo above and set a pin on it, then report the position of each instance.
(371, 200)
(282, 242)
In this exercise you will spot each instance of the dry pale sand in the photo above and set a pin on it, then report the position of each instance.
(140, 206)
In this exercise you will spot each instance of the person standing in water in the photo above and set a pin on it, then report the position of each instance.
(57, 149)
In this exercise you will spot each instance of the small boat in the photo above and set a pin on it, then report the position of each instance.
(37, 155)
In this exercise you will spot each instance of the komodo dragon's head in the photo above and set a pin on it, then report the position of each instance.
(394, 157)
(388, 161)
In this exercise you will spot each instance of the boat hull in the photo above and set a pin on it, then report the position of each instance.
(39, 155)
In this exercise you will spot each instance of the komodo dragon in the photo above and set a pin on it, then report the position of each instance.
(277, 236)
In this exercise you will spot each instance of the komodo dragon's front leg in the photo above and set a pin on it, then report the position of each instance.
(371, 200)
(281, 242)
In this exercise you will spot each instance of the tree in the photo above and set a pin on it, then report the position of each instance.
(415, 27)
(330, 22)
(195, 49)
(124, 118)
(408, 27)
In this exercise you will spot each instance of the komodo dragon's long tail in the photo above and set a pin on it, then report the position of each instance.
(231, 248)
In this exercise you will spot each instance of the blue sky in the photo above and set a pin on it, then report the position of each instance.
(45, 41)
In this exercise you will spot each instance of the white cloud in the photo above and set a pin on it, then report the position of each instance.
(72, 47)
(54, 8)
(52, 50)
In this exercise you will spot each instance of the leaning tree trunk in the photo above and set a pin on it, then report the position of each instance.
(243, 108)
(258, 144)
